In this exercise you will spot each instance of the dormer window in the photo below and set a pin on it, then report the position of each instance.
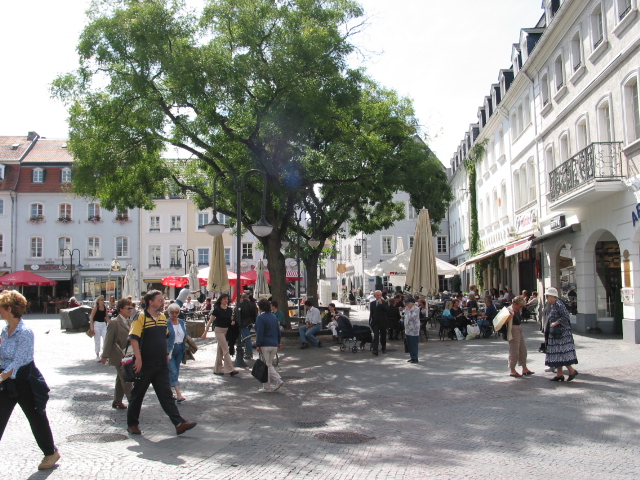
(38, 175)
(65, 175)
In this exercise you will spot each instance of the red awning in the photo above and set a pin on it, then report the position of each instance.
(292, 276)
(26, 279)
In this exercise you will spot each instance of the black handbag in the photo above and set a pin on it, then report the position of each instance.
(556, 332)
(260, 371)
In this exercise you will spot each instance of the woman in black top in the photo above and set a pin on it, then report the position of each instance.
(98, 324)
(458, 314)
(222, 316)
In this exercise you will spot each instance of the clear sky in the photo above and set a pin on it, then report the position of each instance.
(443, 55)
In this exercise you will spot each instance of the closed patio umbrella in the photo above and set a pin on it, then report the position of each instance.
(218, 279)
(194, 282)
(261, 288)
(422, 273)
(129, 283)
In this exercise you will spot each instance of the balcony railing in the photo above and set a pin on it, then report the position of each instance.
(597, 160)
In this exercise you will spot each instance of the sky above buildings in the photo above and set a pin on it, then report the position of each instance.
(443, 55)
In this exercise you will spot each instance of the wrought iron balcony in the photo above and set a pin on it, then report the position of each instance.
(598, 161)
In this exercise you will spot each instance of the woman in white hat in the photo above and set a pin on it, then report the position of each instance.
(561, 351)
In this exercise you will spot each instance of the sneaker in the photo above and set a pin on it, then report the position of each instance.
(550, 369)
(49, 461)
(264, 390)
(304, 345)
(278, 384)
(98, 359)
(319, 344)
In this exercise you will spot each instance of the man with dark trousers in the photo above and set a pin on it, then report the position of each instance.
(148, 337)
(378, 322)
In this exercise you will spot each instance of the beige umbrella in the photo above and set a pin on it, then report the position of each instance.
(194, 283)
(261, 288)
(218, 279)
(422, 274)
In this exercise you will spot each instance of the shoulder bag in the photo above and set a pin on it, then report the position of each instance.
(260, 370)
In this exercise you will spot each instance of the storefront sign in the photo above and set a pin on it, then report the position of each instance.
(627, 296)
(558, 222)
(635, 215)
(526, 221)
(342, 268)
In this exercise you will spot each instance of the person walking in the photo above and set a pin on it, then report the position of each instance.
(20, 380)
(268, 339)
(412, 328)
(221, 318)
(98, 324)
(148, 337)
(515, 335)
(115, 344)
(561, 350)
(378, 322)
(175, 348)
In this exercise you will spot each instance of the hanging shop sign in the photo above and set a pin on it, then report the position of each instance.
(526, 221)
(558, 222)
(627, 296)
(635, 214)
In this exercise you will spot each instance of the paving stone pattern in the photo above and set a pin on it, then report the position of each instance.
(344, 415)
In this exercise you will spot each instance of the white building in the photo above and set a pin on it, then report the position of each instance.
(558, 187)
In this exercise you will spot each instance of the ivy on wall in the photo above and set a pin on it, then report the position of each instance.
(475, 155)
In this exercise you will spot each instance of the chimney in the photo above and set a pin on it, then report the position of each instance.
(32, 136)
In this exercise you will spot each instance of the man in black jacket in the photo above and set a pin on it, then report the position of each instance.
(378, 322)
(248, 314)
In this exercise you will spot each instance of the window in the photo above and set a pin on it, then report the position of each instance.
(93, 247)
(531, 180)
(1, 243)
(564, 148)
(500, 142)
(223, 219)
(623, 8)
(154, 223)
(494, 212)
(503, 199)
(64, 243)
(122, 246)
(38, 175)
(544, 89)
(487, 211)
(576, 52)
(93, 211)
(176, 222)
(175, 260)
(154, 255)
(526, 116)
(581, 134)
(203, 219)
(481, 215)
(37, 210)
(514, 126)
(597, 27)
(387, 244)
(558, 71)
(64, 212)
(122, 214)
(227, 256)
(549, 158)
(522, 188)
(631, 110)
(411, 212)
(65, 175)
(604, 122)
(411, 237)
(441, 244)
(1, 207)
(35, 247)
(516, 187)
(247, 250)
(203, 256)
(521, 123)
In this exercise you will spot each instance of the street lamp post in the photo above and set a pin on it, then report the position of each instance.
(260, 229)
(185, 254)
(63, 266)
(313, 243)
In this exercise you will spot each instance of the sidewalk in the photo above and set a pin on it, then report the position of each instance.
(456, 414)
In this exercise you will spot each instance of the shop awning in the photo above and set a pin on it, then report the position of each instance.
(568, 229)
(518, 246)
(480, 256)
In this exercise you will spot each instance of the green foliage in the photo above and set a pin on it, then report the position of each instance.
(248, 84)
(474, 156)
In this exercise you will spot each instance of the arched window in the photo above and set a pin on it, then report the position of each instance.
(576, 52)
(544, 90)
(631, 109)
(64, 243)
(564, 148)
(531, 179)
(604, 121)
(516, 186)
(36, 211)
(503, 199)
(495, 205)
(523, 188)
(481, 215)
(487, 211)
(64, 212)
(93, 212)
(558, 71)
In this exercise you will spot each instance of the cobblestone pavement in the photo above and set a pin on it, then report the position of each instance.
(456, 414)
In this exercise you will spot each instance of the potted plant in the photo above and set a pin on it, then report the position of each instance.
(352, 298)
(94, 218)
(65, 219)
(122, 217)
(334, 295)
(36, 218)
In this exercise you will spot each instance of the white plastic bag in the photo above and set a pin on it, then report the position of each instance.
(458, 333)
(473, 329)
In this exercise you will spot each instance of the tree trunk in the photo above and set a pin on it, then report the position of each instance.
(277, 270)
(311, 267)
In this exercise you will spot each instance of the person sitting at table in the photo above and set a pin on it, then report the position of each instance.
(329, 319)
(206, 306)
(460, 320)
(189, 306)
(485, 320)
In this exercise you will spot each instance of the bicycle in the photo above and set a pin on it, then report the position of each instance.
(276, 360)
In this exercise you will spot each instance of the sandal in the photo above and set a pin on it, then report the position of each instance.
(515, 375)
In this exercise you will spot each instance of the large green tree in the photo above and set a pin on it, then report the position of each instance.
(242, 84)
